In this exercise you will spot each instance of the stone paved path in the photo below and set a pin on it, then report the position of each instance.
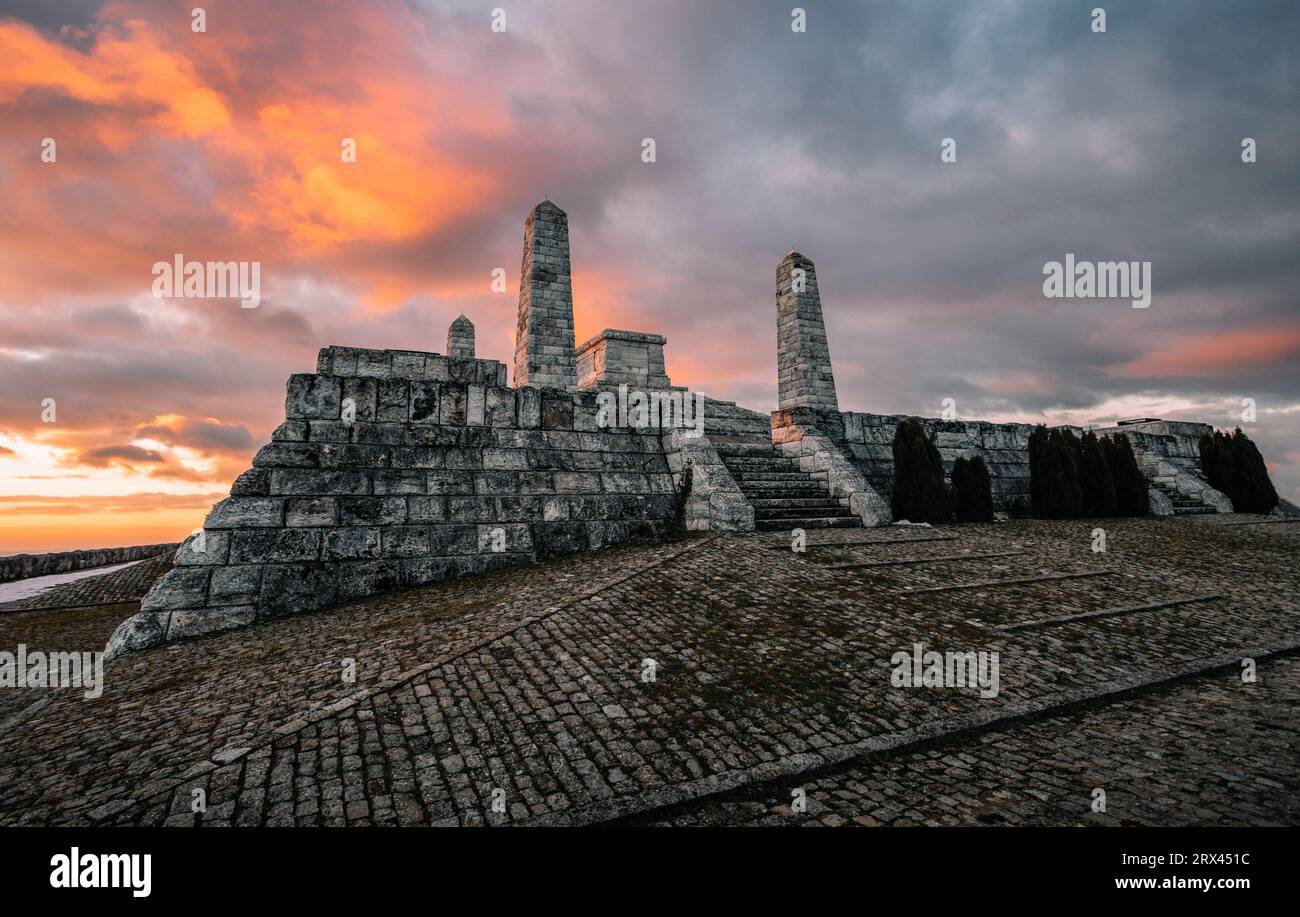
(1208, 751)
(528, 686)
(124, 583)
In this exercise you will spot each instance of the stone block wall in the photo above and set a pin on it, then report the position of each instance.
(1167, 452)
(867, 440)
(441, 471)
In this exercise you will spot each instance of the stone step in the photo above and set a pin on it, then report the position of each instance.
(760, 462)
(734, 425)
(826, 511)
(745, 450)
(1199, 510)
(836, 522)
(754, 490)
(743, 476)
(821, 502)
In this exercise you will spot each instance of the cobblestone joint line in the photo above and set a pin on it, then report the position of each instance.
(1107, 613)
(808, 763)
(1021, 581)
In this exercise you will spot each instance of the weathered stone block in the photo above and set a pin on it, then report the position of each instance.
(303, 511)
(361, 578)
(399, 482)
(199, 621)
(453, 539)
(351, 543)
(312, 397)
(426, 402)
(405, 541)
(426, 509)
(552, 538)
(179, 587)
(291, 588)
(530, 407)
(304, 482)
(235, 585)
(275, 546)
(245, 512)
(366, 511)
(557, 411)
(449, 482)
(203, 548)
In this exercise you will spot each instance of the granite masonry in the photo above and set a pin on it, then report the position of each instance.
(630, 358)
(544, 351)
(401, 468)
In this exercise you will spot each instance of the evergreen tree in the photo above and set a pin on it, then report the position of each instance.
(920, 494)
(1233, 465)
(1066, 444)
(1258, 493)
(1038, 442)
(1131, 497)
(1095, 479)
(1054, 487)
(972, 490)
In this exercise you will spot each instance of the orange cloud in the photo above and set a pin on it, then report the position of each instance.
(1215, 354)
(187, 152)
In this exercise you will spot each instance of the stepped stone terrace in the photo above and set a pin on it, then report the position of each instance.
(399, 468)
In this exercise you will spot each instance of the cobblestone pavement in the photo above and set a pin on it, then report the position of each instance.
(1209, 751)
(128, 584)
(529, 686)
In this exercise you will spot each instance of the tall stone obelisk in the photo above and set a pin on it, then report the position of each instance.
(804, 377)
(544, 346)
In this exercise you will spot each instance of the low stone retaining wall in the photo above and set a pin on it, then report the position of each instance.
(25, 566)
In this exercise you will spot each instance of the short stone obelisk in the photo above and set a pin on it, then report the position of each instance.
(460, 338)
(544, 345)
(804, 377)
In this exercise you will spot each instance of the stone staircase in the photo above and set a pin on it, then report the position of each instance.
(783, 497)
(1180, 479)
(1184, 504)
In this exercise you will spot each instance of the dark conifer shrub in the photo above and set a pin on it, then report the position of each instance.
(972, 490)
(920, 494)
(1131, 498)
(1095, 478)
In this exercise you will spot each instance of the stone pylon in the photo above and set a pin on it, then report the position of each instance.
(460, 338)
(804, 377)
(544, 346)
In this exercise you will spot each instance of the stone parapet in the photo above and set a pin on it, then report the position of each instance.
(709, 498)
(629, 358)
(815, 439)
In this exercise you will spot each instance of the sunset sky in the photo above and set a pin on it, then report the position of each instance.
(225, 145)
